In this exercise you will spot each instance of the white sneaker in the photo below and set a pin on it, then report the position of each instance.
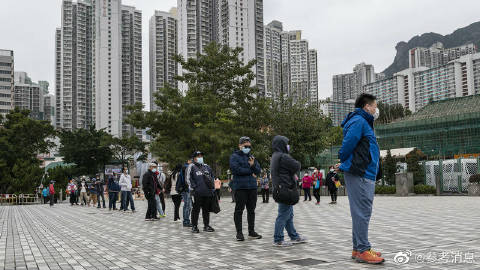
(299, 240)
(282, 244)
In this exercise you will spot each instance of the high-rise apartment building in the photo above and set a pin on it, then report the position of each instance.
(349, 86)
(58, 78)
(74, 53)
(131, 64)
(236, 23)
(241, 25)
(49, 108)
(313, 77)
(98, 58)
(273, 60)
(414, 88)
(291, 67)
(163, 47)
(197, 27)
(6, 81)
(28, 95)
(436, 55)
(299, 75)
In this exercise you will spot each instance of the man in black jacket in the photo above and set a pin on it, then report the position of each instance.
(283, 168)
(200, 181)
(99, 186)
(149, 184)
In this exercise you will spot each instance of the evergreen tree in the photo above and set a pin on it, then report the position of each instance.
(21, 140)
(390, 168)
(89, 149)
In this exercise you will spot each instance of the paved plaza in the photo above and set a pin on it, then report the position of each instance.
(432, 232)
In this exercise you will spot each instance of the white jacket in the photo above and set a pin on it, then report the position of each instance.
(125, 182)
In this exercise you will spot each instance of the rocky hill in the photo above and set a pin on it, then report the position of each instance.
(469, 34)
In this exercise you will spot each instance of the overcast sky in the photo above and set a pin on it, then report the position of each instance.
(345, 32)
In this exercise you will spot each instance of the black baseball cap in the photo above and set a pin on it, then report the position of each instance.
(196, 154)
(244, 139)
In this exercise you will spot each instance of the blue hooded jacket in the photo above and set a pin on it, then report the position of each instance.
(360, 153)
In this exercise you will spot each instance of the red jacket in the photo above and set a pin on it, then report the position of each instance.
(307, 182)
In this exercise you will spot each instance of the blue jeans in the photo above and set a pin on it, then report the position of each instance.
(187, 207)
(360, 196)
(126, 199)
(159, 204)
(284, 221)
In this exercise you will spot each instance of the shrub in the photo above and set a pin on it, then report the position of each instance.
(385, 189)
(474, 178)
(424, 189)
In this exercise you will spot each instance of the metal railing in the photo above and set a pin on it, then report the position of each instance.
(20, 199)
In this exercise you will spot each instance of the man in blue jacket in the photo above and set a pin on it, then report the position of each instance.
(359, 157)
(244, 169)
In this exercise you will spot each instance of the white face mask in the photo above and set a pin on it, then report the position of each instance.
(376, 114)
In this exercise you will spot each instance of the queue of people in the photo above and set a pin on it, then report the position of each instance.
(195, 184)
(91, 192)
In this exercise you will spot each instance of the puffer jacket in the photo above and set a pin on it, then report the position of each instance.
(242, 171)
(283, 167)
(359, 154)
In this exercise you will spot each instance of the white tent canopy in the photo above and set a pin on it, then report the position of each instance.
(399, 152)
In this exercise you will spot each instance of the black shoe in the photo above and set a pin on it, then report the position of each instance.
(187, 225)
(240, 237)
(254, 235)
(195, 229)
(208, 229)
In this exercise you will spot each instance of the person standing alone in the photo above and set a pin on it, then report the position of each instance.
(359, 160)
(245, 168)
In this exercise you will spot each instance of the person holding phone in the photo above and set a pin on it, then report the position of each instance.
(244, 168)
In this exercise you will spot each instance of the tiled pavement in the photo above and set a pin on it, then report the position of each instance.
(65, 237)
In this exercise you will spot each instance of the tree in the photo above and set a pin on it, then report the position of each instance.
(413, 158)
(220, 106)
(21, 140)
(389, 168)
(61, 175)
(89, 149)
(309, 131)
(124, 149)
(389, 113)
